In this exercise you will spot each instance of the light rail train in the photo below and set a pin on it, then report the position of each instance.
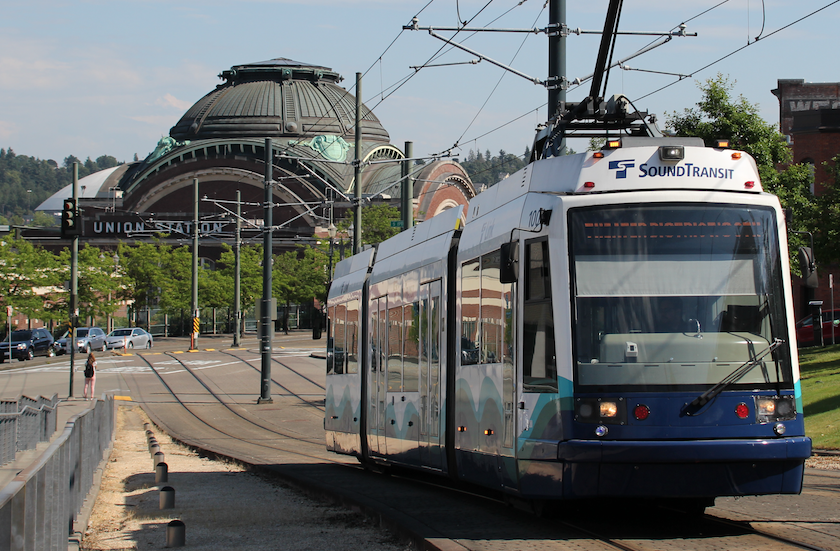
(610, 323)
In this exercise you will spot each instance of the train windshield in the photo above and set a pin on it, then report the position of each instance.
(676, 296)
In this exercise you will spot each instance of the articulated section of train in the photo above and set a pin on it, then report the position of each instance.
(612, 323)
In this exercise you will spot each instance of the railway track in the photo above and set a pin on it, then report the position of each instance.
(475, 520)
(287, 441)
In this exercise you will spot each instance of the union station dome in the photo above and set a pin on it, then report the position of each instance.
(220, 142)
(278, 98)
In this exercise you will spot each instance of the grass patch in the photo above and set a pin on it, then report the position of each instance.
(820, 374)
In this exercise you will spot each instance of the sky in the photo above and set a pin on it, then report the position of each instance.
(111, 77)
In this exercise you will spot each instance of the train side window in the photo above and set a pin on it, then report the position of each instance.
(539, 369)
(352, 343)
(411, 345)
(330, 340)
(538, 278)
(491, 309)
(470, 304)
(339, 339)
(395, 323)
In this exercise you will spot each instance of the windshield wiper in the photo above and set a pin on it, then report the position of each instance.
(698, 403)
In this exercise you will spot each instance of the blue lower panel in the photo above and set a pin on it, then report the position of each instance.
(669, 469)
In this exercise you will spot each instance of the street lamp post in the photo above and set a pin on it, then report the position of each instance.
(331, 230)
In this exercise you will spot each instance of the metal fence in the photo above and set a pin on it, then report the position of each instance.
(39, 507)
(219, 320)
(24, 423)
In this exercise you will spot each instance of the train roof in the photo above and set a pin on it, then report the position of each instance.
(634, 164)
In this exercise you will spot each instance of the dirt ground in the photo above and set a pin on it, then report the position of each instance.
(222, 504)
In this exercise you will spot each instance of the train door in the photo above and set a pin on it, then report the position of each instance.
(430, 363)
(373, 381)
(507, 450)
(378, 343)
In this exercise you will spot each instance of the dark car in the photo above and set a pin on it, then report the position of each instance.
(830, 321)
(26, 344)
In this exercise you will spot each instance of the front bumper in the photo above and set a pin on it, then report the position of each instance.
(665, 469)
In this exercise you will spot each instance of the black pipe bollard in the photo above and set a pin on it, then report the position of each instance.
(176, 534)
(159, 457)
(167, 497)
(161, 473)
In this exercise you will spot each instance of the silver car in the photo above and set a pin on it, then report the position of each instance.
(87, 339)
(129, 337)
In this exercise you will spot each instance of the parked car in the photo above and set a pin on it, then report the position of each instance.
(129, 337)
(26, 344)
(805, 328)
(87, 339)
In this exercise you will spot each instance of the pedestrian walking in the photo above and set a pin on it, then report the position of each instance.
(90, 375)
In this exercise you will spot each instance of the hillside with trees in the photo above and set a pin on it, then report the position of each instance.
(486, 169)
(26, 182)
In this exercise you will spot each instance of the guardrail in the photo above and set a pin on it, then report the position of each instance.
(39, 507)
(24, 423)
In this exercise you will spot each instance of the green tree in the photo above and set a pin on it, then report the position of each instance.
(30, 279)
(721, 116)
(376, 223)
(299, 277)
(99, 285)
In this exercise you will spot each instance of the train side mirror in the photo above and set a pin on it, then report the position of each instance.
(509, 269)
(808, 266)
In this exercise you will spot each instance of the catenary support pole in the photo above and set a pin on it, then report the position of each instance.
(557, 60)
(194, 333)
(237, 292)
(357, 170)
(74, 286)
(266, 329)
(407, 189)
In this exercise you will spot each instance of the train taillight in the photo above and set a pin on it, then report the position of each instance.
(641, 412)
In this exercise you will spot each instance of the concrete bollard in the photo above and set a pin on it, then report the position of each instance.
(176, 534)
(167, 497)
(161, 473)
(159, 457)
(153, 450)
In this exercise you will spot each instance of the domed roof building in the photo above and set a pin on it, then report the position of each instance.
(220, 142)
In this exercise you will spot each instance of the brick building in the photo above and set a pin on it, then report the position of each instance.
(809, 114)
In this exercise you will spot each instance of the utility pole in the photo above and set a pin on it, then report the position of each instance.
(74, 285)
(266, 330)
(557, 60)
(407, 189)
(196, 321)
(357, 169)
(237, 244)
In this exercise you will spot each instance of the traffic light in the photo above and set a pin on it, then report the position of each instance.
(71, 223)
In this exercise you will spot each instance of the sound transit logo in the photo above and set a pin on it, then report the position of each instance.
(621, 167)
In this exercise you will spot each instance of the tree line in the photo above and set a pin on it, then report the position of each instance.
(154, 274)
(26, 182)
(721, 115)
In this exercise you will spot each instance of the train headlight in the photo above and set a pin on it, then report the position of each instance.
(769, 409)
(608, 409)
(765, 407)
(671, 153)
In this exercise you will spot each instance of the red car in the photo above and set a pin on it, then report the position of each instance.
(805, 328)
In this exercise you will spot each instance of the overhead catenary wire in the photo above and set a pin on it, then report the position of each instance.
(737, 50)
(681, 77)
